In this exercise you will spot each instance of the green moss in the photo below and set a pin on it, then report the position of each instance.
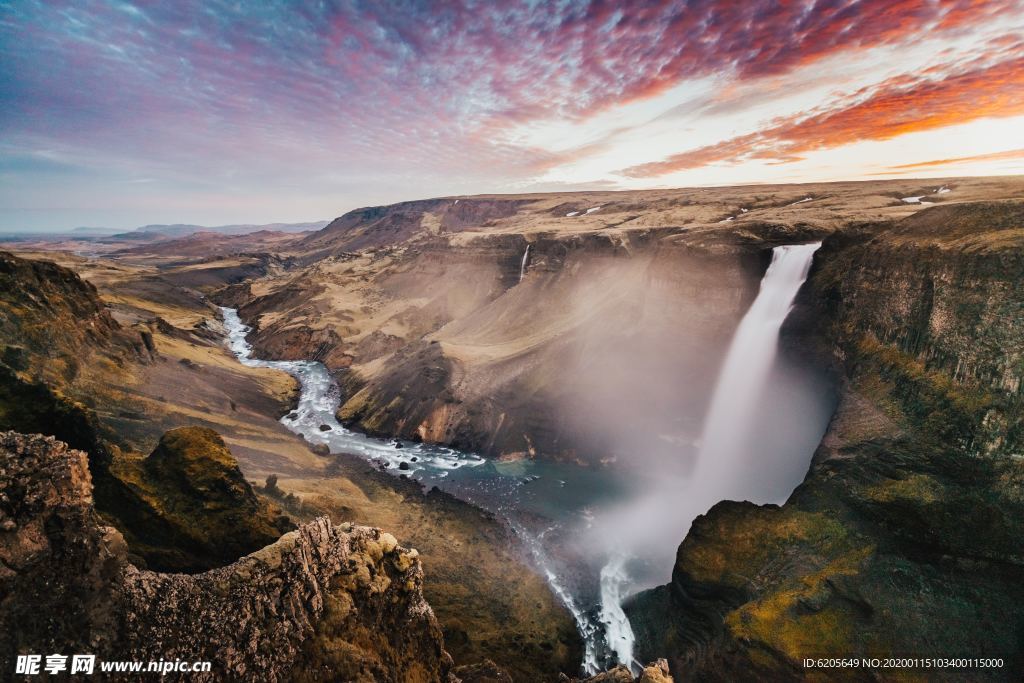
(926, 400)
(919, 488)
(733, 544)
(806, 617)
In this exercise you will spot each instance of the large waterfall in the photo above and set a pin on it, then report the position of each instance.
(725, 468)
(743, 377)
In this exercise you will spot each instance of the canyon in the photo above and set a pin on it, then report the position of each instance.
(515, 385)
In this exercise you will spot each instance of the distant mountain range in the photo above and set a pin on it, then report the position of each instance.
(151, 233)
(183, 229)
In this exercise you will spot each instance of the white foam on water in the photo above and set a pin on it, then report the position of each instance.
(319, 400)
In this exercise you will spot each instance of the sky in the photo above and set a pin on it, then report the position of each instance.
(119, 114)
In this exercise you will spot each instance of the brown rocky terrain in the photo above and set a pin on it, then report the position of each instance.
(324, 602)
(187, 507)
(118, 410)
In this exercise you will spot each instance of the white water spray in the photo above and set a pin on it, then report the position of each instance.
(618, 633)
(748, 364)
(522, 266)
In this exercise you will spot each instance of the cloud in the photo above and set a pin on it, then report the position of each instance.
(900, 105)
(252, 95)
(1008, 155)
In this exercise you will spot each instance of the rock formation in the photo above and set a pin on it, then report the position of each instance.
(656, 672)
(52, 321)
(187, 507)
(324, 602)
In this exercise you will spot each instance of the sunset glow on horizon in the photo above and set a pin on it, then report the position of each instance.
(118, 114)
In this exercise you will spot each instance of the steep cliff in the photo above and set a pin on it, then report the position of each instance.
(324, 602)
(51, 321)
(904, 539)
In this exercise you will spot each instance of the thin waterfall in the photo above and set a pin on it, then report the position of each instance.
(522, 266)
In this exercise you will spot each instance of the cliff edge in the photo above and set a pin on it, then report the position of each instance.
(904, 539)
(324, 602)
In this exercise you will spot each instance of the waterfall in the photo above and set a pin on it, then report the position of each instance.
(522, 266)
(618, 633)
(722, 462)
(748, 364)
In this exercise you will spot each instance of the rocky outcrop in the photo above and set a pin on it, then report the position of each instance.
(904, 538)
(325, 602)
(51, 321)
(656, 672)
(186, 507)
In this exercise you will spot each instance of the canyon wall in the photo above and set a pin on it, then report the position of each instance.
(904, 538)
(578, 347)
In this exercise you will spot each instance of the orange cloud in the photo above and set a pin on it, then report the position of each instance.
(898, 106)
(993, 156)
